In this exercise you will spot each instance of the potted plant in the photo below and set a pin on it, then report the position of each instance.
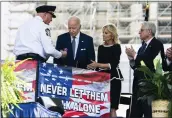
(10, 94)
(157, 87)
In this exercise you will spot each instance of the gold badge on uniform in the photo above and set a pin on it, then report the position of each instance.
(47, 31)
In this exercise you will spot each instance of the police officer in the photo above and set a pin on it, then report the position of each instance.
(33, 38)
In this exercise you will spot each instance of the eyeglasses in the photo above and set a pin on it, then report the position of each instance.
(141, 30)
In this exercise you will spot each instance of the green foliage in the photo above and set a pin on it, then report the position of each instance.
(10, 94)
(156, 85)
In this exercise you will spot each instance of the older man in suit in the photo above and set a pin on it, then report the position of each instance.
(78, 45)
(150, 48)
(167, 65)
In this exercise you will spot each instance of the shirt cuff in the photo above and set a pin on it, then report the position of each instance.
(135, 56)
(168, 61)
(109, 66)
(58, 55)
(130, 58)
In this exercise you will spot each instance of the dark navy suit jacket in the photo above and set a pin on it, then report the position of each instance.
(85, 52)
(153, 49)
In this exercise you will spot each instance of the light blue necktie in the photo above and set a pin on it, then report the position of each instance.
(73, 46)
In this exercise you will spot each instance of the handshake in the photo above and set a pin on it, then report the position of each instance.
(64, 53)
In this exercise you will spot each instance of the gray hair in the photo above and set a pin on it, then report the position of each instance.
(151, 26)
(75, 18)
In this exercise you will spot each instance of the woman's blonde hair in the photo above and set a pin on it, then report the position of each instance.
(112, 28)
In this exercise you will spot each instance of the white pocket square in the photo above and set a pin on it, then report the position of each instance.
(83, 49)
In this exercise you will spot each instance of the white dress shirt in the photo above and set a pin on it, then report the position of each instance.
(168, 62)
(76, 43)
(32, 38)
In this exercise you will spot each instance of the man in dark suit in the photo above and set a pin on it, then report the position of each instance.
(79, 46)
(150, 48)
(167, 65)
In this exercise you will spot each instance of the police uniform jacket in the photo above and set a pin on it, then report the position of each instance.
(34, 37)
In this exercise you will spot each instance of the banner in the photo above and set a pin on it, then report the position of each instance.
(32, 110)
(27, 72)
(83, 92)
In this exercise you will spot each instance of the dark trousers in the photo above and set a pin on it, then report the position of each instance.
(138, 108)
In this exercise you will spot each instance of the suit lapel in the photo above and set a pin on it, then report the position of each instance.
(150, 45)
(69, 45)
